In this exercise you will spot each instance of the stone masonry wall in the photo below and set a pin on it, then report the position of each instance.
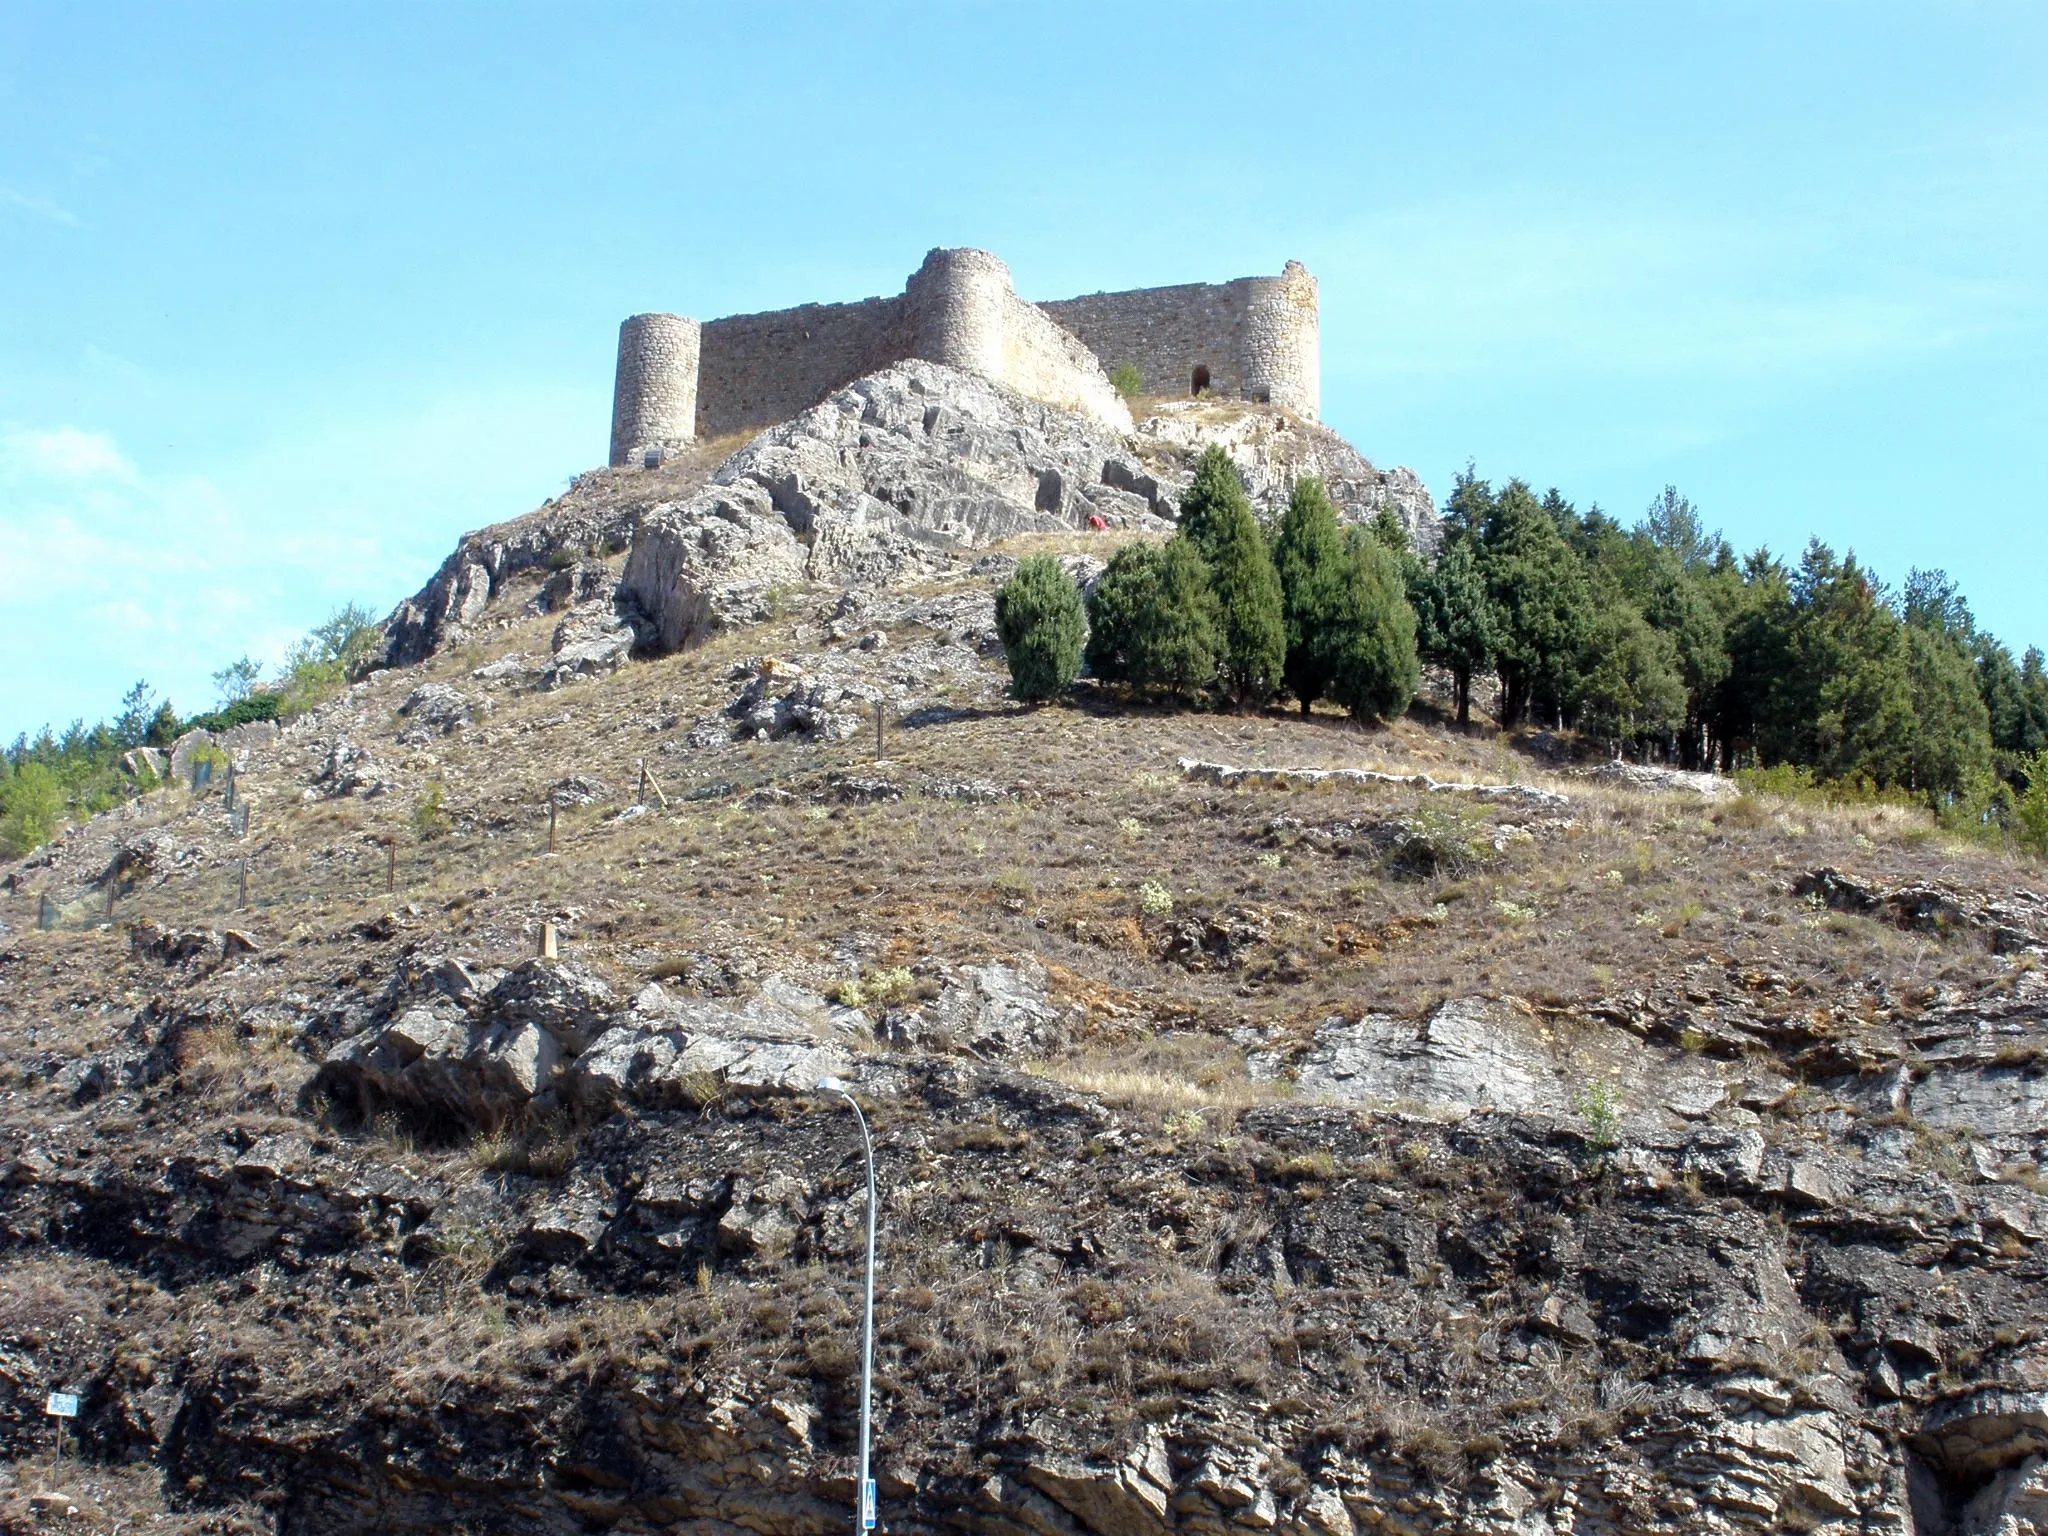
(1048, 363)
(654, 395)
(761, 369)
(1257, 336)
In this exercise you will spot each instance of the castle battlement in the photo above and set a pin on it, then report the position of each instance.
(1256, 338)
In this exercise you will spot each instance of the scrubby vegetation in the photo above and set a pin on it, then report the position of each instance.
(1655, 643)
(53, 776)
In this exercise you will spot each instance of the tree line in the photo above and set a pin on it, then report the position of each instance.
(1657, 642)
(54, 775)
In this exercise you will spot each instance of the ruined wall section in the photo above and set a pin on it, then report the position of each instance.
(757, 370)
(1258, 337)
(1047, 362)
(654, 393)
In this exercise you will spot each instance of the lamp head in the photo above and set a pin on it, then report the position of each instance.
(832, 1085)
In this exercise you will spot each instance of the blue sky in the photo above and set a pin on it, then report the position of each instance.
(292, 295)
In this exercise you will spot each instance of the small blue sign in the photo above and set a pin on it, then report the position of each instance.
(867, 1506)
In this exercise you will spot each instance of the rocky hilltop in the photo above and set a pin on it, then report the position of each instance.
(895, 478)
(1281, 1128)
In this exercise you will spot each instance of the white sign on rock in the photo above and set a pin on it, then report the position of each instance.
(61, 1405)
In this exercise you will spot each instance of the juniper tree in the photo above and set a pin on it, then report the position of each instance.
(1124, 591)
(1455, 626)
(1212, 500)
(1248, 604)
(1309, 559)
(1175, 642)
(1375, 671)
(1041, 624)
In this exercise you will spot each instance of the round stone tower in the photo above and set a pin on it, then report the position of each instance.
(1283, 360)
(957, 300)
(654, 397)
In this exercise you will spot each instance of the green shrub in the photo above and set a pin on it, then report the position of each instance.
(1127, 381)
(430, 817)
(31, 807)
(338, 650)
(2030, 809)
(243, 711)
(1042, 626)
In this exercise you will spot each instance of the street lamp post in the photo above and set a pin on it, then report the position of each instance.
(864, 1496)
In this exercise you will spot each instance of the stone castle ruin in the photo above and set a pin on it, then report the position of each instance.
(1254, 339)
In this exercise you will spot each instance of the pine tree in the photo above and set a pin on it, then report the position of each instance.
(1376, 670)
(1309, 559)
(1125, 591)
(1455, 625)
(1040, 622)
(1212, 500)
(1176, 642)
(1248, 604)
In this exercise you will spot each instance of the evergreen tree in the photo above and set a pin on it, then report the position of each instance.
(1040, 622)
(1309, 558)
(1125, 591)
(1375, 670)
(138, 712)
(1176, 641)
(1212, 502)
(1631, 690)
(1248, 604)
(1538, 588)
(1758, 637)
(1455, 626)
(1949, 756)
(1677, 605)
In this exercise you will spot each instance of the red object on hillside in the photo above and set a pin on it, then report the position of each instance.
(1095, 521)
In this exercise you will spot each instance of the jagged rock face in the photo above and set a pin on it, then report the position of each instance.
(890, 478)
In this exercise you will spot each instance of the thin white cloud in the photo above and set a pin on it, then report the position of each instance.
(41, 207)
(113, 569)
(61, 454)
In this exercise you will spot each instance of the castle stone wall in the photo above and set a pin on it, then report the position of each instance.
(761, 369)
(654, 394)
(1258, 337)
(1047, 362)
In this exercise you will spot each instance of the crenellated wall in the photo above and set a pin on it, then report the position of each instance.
(1257, 338)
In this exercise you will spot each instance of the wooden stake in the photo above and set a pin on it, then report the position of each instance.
(390, 867)
(879, 709)
(242, 889)
(551, 826)
(649, 781)
(547, 939)
(231, 787)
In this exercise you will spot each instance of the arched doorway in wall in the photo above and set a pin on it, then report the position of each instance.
(1200, 383)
